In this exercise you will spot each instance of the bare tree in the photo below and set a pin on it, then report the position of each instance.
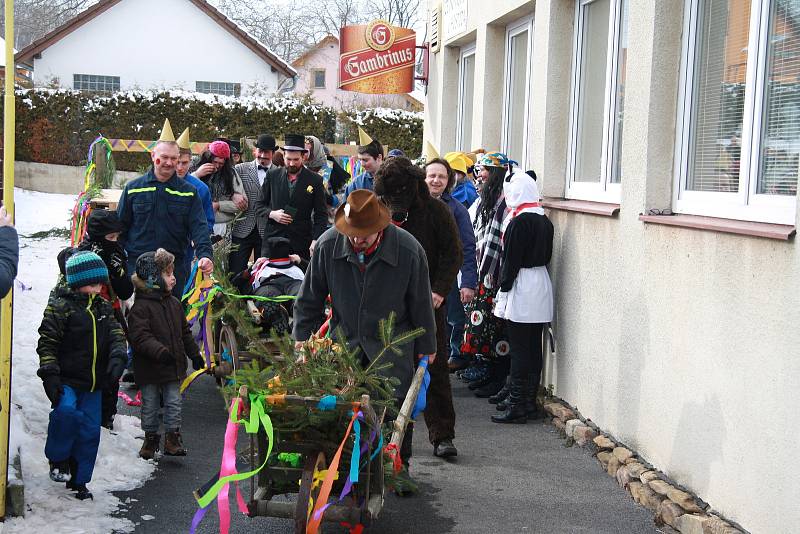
(35, 18)
(403, 13)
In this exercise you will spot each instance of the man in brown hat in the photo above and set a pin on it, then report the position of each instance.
(370, 268)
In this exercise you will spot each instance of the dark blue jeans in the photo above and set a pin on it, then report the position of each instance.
(456, 319)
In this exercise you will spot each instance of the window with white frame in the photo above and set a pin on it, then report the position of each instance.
(738, 145)
(94, 83)
(598, 100)
(318, 78)
(219, 88)
(466, 96)
(517, 90)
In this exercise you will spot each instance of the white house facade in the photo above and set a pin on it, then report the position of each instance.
(666, 138)
(154, 44)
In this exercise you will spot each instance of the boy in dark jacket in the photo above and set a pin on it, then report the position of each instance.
(161, 339)
(103, 230)
(81, 350)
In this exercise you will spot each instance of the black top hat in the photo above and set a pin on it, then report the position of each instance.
(295, 142)
(279, 248)
(266, 142)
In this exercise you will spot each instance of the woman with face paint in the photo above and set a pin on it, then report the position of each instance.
(485, 339)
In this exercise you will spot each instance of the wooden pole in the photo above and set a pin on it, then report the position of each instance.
(6, 306)
(404, 417)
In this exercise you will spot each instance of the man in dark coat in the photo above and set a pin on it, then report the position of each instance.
(370, 269)
(9, 253)
(401, 185)
(293, 199)
(160, 210)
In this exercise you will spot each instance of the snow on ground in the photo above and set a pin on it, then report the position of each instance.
(50, 507)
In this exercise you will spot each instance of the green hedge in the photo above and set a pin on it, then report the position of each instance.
(57, 126)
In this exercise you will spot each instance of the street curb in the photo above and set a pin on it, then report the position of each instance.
(15, 487)
(672, 504)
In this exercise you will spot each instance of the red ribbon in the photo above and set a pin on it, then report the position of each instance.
(394, 454)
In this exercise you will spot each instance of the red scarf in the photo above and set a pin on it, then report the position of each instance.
(523, 206)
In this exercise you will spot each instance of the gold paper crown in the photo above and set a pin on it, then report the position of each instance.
(363, 138)
(166, 132)
(183, 140)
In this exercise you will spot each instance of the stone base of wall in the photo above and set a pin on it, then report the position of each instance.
(672, 504)
(63, 179)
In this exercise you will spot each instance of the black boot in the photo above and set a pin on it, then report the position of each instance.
(490, 389)
(59, 471)
(515, 413)
(500, 395)
(82, 492)
(530, 399)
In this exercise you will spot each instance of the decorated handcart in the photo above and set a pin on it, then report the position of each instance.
(324, 457)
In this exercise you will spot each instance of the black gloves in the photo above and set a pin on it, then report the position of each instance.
(116, 264)
(116, 367)
(53, 388)
(197, 362)
(165, 358)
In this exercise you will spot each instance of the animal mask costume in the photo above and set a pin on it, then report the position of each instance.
(400, 184)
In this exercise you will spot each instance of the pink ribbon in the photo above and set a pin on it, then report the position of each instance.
(228, 467)
(129, 401)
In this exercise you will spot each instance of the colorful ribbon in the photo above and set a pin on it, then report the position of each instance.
(322, 500)
(422, 396)
(137, 401)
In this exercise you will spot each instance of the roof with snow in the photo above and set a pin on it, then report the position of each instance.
(30, 52)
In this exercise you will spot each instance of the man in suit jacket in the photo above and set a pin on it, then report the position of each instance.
(248, 232)
(293, 199)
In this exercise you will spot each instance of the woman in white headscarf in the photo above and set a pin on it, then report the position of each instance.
(525, 296)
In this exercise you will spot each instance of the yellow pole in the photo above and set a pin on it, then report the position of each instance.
(6, 308)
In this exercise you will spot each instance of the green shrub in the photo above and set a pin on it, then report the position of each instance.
(57, 126)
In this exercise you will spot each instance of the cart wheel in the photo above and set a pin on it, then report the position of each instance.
(307, 496)
(227, 340)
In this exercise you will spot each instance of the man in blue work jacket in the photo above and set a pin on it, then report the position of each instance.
(159, 210)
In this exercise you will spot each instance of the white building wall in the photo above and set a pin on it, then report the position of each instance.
(682, 343)
(153, 44)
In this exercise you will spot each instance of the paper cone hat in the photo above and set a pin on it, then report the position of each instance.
(363, 138)
(430, 152)
(166, 132)
(183, 140)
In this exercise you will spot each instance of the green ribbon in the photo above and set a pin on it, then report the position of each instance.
(212, 292)
(258, 419)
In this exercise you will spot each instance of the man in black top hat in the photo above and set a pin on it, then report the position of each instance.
(262, 159)
(293, 199)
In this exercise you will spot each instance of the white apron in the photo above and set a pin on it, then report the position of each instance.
(530, 299)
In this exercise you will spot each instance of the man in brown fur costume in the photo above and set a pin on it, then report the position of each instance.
(401, 185)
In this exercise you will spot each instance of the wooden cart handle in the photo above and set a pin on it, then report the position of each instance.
(404, 417)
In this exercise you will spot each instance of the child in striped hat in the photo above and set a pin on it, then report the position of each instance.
(82, 350)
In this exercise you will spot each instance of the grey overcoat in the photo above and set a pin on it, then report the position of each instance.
(396, 279)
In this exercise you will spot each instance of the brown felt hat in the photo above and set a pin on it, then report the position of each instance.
(362, 215)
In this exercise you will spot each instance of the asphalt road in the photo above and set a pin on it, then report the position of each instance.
(506, 479)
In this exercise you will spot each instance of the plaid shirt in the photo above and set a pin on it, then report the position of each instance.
(489, 246)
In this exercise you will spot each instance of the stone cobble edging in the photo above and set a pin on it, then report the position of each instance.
(672, 505)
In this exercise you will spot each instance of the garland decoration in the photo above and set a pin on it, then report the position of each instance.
(92, 185)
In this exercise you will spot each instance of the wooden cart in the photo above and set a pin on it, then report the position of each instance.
(365, 501)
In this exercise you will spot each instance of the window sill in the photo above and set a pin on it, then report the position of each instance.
(582, 206)
(781, 232)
